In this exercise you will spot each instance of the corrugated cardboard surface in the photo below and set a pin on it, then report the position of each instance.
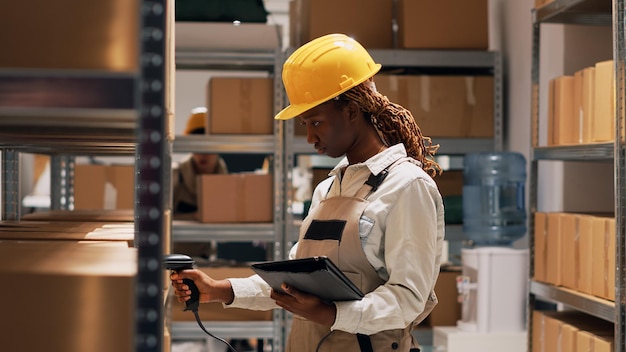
(71, 297)
(104, 187)
(66, 34)
(216, 311)
(372, 27)
(444, 106)
(233, 198)
(240, 105)
(443, 24)
(603, 126)
(448, 311)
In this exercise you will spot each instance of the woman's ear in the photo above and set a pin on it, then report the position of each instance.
(353, 110)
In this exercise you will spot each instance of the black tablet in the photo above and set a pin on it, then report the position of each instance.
(315, 275)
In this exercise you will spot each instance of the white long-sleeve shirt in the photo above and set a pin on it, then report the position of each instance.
(402, 231)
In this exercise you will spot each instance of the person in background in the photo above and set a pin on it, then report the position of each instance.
(379, 216)
(184, 188)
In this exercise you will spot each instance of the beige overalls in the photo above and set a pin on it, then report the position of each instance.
(332, 230)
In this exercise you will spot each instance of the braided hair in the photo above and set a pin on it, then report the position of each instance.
(394, 125)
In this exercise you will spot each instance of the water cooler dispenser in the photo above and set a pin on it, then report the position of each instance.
(493, 287)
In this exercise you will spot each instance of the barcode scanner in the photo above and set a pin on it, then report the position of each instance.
(179, 262)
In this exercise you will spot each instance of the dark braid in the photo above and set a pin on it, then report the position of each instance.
(394, 125)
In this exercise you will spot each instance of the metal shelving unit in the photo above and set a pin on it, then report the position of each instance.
(585, 12)
(66, 113)
(207, 57)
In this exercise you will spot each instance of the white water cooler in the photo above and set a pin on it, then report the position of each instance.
(493, 289)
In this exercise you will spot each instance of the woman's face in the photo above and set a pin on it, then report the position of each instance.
(205, 163)
(329, 129)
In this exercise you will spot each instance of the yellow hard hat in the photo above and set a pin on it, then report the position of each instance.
(197, 120)
(323, 69)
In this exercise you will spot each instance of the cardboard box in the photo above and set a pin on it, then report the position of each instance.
(561, 118)
(450, 183)
(216, 311)
(92, 215)
(84, 296)
(553, 249)
(234, 198)
(588, 96)
(537, 331)
(540, 257)
(569, 243)
(372, 27)
(104, 35)
(585, 253)
(239, 105)
(603, 126)
(104, 187)
(603, 265)
(578, 107)
(443, 24)
(444, 106)
(448, 311)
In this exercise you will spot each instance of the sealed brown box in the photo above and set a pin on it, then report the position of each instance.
(233, 198)
(603, 265)
(216, 311)
(104, 187)
(443, 24)
(90, 215)
(444, 106)
(67, 34)
(538, 339)
(553, 249)
(561, 121)
(569, 244)
(82, 297)
(240, 105)
(450, 183)
(373, 27)
(579, 116)
(541, 228)
(603, 126)
(448, 311)
(585, 253)
(588, 96)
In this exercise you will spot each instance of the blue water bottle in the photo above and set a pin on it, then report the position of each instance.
(494, 212)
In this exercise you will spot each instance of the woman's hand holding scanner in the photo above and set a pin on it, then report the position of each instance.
(305, 305)
(193, 286)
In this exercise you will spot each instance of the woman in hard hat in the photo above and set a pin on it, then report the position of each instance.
(379, 216)
(184, 188)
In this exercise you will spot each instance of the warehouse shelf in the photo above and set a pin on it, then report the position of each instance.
(224, 329)
(595, 306)
(59, 111)
(69, 112)
(227, 47)
(582, 12)
(471, 59)
(191, 231)
(448, 146)
(583, 152)
(252, 144)
(591, 12)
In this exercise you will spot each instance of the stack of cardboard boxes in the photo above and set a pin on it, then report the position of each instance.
(570, 331)
(576, 251)
(581, 108)
(447, 106)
